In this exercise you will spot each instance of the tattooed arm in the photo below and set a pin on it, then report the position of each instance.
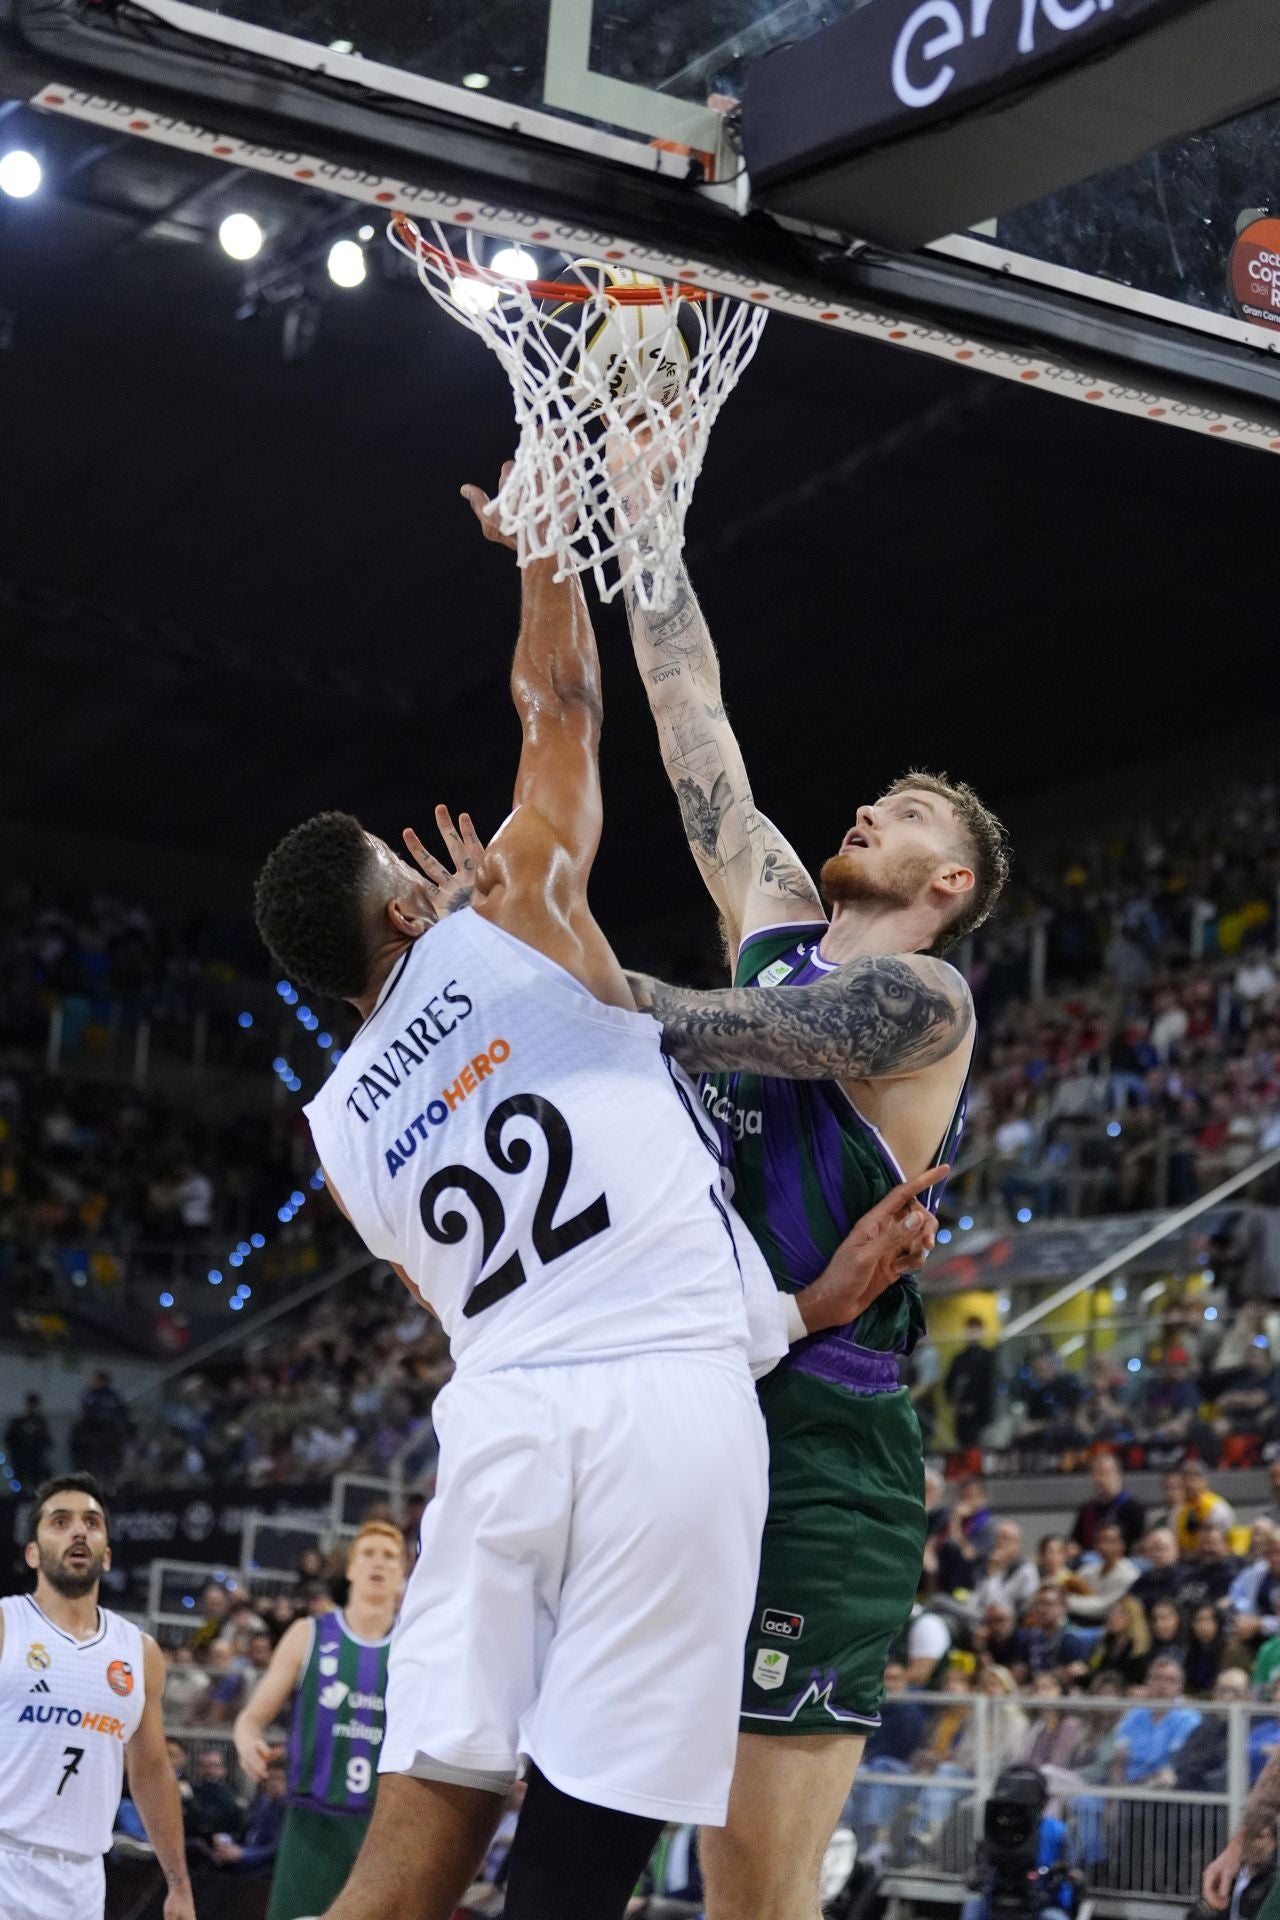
(876, 1019)
(752, 874)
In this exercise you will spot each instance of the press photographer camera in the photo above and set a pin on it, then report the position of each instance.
(1021, 1871)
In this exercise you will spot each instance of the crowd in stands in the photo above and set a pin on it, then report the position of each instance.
(1163, 1613)
(1205, 1382)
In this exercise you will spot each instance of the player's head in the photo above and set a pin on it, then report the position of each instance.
(927, 843)
(376, 1563)
(332, 898)
(67, 1543)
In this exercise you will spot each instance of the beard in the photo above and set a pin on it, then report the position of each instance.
(851, 877)
(72, 1582)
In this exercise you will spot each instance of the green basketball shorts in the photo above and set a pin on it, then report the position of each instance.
(841, 1557)
(317, 1852)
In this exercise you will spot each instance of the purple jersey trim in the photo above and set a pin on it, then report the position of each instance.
(841, 1363)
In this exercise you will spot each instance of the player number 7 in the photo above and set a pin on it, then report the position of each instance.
(72, 1766)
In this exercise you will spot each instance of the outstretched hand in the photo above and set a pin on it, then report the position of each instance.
(451, 888)
(486, 510)
(894, 1238)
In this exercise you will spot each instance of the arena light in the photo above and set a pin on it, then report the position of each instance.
(324, 1040)
(1134, 1365)
(1114, 1129)
(473, 296)
(516, 263)
(245, 1020)
(20, 174)
(346, 263)
(1024, 1215)
(215, 1278)
(944, 1236)
(258, 1239)
(1211, 1313)
(241, 236)
(965, 1222)
(166, 1299)
(476, 81)
(366, 232)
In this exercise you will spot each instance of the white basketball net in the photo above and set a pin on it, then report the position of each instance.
(615, 396)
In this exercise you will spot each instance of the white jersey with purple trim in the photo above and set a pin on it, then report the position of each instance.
(68, 1708)
(536, 1165)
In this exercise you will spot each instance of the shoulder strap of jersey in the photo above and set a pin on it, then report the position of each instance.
(767, 945)
(945, 1155)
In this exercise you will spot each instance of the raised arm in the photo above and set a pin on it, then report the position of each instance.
(878, 1018)
(751, 872)
(555, 685)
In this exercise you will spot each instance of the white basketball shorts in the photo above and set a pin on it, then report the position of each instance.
(585, 1583)
(40, 1886)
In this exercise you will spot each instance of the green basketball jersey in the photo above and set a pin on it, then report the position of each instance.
(339, 1716)
(806, 1166)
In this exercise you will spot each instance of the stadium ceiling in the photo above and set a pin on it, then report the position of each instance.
(237, 584)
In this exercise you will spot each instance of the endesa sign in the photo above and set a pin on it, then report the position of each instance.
(892, 65)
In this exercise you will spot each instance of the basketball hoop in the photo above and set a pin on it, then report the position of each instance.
(617, 380)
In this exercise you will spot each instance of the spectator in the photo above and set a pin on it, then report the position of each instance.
(1206, 1646)
(1168, 1633)
(1094, 1589)
(1149, 1735)
(1006, 1643)
(185, 1686)
(1171, 1402)
(1162, 1579)
(1009, 1579)
(1254, 1594)
(928, 1646)
(1124, 1647)
(1054, 1647)
(101, 1433)
(214, 1808)
(889, 1750)
(1200, 1764)
(225, 1670)
(960, 1557)
(1051, 1398)
(214, 1606)
(970, 1386)
(260, 1840)
(1200, 1508)
(1056, 1736)
(1111, 1502)
(1052, 1561)
(195, 1203)
(1246, 1399)
(1209, 1572)
(30, 1443)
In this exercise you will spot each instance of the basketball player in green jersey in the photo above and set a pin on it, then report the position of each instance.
(835, 1066)
(335, 1666)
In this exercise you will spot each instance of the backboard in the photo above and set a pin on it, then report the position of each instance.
(611, 126)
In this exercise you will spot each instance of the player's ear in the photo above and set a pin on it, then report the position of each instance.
(955, 878)
(106, 1559)
(407, 917)
(31, 1554)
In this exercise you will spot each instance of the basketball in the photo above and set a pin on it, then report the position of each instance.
(642, 350)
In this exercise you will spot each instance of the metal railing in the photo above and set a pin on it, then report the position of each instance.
(1132, 1839)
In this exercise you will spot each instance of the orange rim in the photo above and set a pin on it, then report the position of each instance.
(566, 290)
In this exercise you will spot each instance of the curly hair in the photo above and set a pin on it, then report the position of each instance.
(312, 901)
(986, 841)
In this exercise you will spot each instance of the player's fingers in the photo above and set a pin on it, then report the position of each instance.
(470, 838)
(444, 820)
(907, 1190)
(431, 867)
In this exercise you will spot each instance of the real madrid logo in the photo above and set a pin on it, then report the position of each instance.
(120, 1677)
(38, 1656)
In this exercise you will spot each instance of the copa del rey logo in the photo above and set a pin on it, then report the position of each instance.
(922, 69)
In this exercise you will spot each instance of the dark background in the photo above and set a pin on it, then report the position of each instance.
(234, 590)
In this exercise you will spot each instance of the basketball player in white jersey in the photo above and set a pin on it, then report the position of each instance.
(80, 1697)
(506, 1132)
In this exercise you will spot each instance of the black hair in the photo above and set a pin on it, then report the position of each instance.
(311, 903)
(63, 1483)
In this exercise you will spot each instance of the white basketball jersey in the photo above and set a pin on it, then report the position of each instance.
(68, 1708)
(536, 1165)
